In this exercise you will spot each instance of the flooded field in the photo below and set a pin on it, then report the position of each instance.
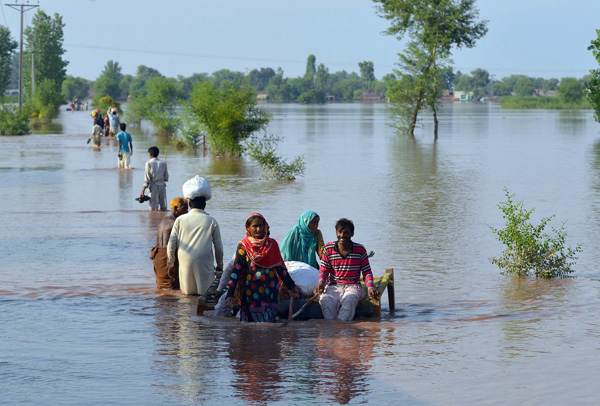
(81, 321)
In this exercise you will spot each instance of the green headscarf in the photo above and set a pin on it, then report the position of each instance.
(300, 244)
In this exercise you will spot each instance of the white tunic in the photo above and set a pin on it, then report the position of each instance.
(193, 236)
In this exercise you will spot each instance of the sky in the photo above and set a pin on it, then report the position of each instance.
(540, 38)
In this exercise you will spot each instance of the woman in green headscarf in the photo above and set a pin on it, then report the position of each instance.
(304, 241)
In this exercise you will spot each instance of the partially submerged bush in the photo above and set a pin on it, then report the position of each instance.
(104, 103)
(12, 122)
(263, 152)
(531, 250)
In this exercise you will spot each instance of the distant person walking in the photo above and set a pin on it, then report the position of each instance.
(114, 121)
(156, 175)
(125, 147)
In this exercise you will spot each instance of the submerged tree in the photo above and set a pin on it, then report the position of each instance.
(434, 27)
(593, 84)
(230, 119)
(156, 104)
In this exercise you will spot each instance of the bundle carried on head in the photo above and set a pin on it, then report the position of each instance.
(196, 187)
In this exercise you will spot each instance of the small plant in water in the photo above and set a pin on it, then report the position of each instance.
(530, 250)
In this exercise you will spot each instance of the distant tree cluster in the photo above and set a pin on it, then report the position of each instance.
(479, 83)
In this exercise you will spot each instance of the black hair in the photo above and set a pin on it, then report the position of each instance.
(198, 202)
(123, 126)
(343, 222)
(154, 151)
(251, 218)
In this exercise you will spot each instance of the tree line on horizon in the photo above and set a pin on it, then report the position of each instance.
(423, 75)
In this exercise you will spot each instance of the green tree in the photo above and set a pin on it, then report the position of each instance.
(279, 88)
(311, 68)
(138, 83)
(75, 88)
(322, 78)
(367, 73)
(502, 88)
(7, 49)
(551, 84)
(259, 79)
(228, 115)
(157, 105)
(226, 75)
(44, 36)
(570, 90)
(186, 84)
(229, 118)
(593, 84)
(109, 81)
(434, 27)
(524, 86)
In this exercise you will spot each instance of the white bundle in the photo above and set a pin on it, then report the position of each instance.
(196, 187)
(303, 275)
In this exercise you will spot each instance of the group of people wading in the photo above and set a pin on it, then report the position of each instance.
(189, 243)
(111, 126)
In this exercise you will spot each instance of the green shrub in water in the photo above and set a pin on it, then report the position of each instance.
(263, 151)
(529, 249)
(12, 122)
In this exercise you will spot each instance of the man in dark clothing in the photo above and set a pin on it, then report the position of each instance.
(179, 207)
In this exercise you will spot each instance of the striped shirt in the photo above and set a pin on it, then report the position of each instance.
(337, 269)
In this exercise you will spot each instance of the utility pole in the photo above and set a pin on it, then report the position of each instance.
(23, 8)
(32, 69)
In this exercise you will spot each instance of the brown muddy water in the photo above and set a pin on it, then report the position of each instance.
(81, 322)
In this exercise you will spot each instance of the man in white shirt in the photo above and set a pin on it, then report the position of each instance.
(154, 180)
(192, 238)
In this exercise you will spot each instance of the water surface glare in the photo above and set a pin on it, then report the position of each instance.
(83, 324)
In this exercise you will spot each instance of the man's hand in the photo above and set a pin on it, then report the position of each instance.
(373, 294)
(230, 302)
(295, 293)
(319, 289)
(171, 272)
(218, 271)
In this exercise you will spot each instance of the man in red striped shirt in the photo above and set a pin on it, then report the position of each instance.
(342, 263)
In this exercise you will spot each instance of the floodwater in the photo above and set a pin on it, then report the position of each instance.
(81, 322)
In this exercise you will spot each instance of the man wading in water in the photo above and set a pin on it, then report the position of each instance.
(154, 179)
(164, 279)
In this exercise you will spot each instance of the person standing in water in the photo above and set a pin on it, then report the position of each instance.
(164, 279)
(192, 240)
(156, 175)
(125, 145)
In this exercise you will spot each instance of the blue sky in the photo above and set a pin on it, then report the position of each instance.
(546, 38)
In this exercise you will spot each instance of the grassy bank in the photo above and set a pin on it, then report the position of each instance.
(530, 102)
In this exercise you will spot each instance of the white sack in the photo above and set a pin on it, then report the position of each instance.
(304, 275)
(196, 187)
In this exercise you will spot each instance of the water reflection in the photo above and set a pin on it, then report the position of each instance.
(343, 364)
(256, 358)
(532, 301)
